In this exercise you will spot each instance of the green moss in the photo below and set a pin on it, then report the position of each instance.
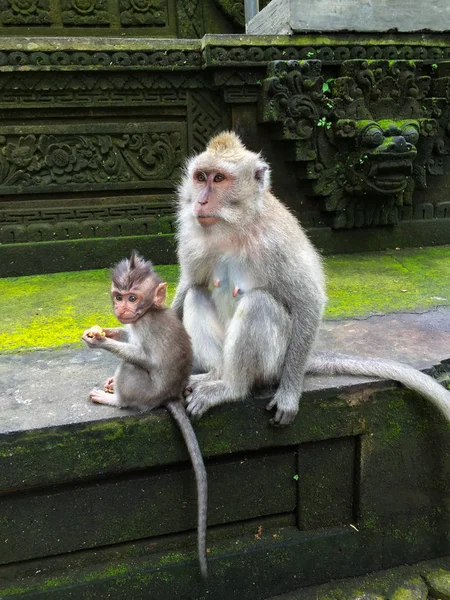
(47, 311)
(171, 558)
(398, 280)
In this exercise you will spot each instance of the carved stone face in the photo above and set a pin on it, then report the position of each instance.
(384, 155)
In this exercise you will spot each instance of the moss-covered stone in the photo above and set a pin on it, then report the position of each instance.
(414, 589)
(439, 584)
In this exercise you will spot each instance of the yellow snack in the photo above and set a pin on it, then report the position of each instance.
(96, 329)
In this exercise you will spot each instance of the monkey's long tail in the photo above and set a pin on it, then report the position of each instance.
(178, 412)
(426, 386)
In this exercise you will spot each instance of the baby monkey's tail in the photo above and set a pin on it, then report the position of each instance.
(178, 412)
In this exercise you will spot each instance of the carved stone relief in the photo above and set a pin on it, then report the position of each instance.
(77, 13)
(363, 140)
(143, 12)
(25, 12)
(73, 159)
(76, 222)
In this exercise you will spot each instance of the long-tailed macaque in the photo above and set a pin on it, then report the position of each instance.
(252, 290)
(156, 358)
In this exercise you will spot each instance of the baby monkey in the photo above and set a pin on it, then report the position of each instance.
(156, 362)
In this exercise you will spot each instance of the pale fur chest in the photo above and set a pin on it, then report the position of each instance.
(230, 281)
(133, 336)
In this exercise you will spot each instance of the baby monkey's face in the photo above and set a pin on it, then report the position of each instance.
(128, 305)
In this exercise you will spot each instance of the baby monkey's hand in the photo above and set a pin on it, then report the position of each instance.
(94, 336)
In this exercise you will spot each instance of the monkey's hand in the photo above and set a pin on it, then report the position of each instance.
(93, 337)
(115, 333)
(286, 410)
(109, 385)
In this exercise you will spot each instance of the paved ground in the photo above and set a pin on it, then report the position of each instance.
(47, 388)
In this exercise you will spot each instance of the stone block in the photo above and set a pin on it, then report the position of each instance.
(296, 16)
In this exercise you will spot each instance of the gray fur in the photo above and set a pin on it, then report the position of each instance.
(266, 332)
(156, 362)
(333, 363)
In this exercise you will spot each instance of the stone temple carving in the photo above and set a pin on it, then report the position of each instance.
(364, 139)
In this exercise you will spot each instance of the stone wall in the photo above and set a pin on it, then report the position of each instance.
(101, 503)
(95, 132)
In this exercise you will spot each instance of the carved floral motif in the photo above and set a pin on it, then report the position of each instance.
(84, 12)
(80, 161)
(143, 12)
(25, 12)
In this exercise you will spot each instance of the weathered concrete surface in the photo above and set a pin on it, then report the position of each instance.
(294, 16)
(48, 388)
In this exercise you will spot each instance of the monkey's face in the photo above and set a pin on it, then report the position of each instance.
(129, 306)
(210, 190)
(225, 192)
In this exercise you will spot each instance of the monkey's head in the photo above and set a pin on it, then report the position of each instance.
(224, 184)
(136, 288)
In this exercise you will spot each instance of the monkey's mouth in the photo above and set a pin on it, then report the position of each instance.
(126, 320)
(207, 221)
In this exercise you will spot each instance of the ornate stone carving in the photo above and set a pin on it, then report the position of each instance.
(25, 12)
(151, 13)
(257, 55)
(101, 88)
(156, 59)
(363, 140)
(190, 19)
(239, 86)
(125, 157)
(234, 9)
(77, 13)
(61, 223)
(206, 116)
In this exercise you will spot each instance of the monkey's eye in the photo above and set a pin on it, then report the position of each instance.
(118, 297)
(219, 177)
(200, 177)
(132, 298)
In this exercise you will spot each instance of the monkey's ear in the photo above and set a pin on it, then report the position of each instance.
(261, 173)
(160, 294)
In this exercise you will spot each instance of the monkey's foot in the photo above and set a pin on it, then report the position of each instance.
(204, 395)
(109, 385)
(286, 410)
(102, 397)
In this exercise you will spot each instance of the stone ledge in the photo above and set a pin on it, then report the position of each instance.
(47, 388)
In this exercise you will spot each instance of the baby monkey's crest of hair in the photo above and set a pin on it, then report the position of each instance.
(225, 142)
(132, 271)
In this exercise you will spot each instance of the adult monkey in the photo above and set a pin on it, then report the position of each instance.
(252, 289)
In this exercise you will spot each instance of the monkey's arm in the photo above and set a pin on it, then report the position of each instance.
(116, 333)
(128, 352)
(287, 396)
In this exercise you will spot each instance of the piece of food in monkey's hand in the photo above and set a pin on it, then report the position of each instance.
(96, 329)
